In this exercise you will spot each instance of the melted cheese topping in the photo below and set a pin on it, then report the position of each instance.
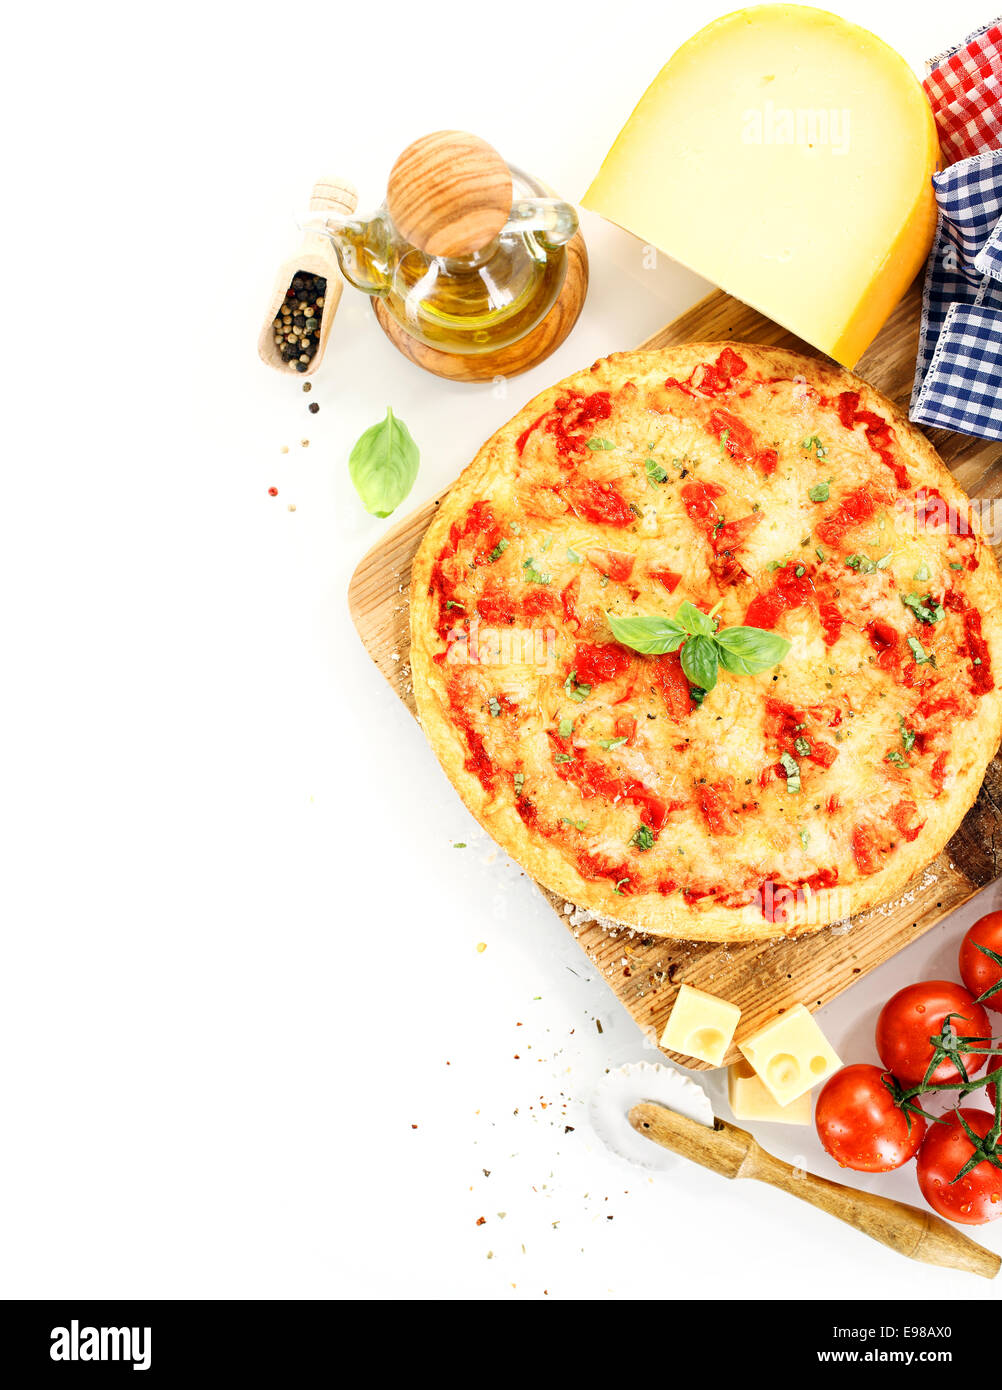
(790, 510)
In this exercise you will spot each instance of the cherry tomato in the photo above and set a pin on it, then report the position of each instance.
(976, 1198)
(917, 1013)
(859, 1124)
(978, 971)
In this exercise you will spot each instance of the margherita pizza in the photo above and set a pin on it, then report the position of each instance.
(709, 640)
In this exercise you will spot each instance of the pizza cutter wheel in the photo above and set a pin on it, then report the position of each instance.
(646, 1104)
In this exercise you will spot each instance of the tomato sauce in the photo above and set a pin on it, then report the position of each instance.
(902, 814)
(719, 818)
(599, 503)
(886, 642)
(880, 436)
(674, 685)
(974, 645)
(789, 590)
(867, 848)
(571, 422)
(854, 509)
(593, 778)
(615, 564)
(669, 578)
(595, 663)
(785, 725)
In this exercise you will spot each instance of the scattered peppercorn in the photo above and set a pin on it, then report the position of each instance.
(314, 408)
(296, 327)
(273, 492)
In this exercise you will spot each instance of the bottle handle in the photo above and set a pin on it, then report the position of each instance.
(550, 220)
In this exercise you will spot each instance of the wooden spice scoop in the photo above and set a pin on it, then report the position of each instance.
(733, 1153)
(316, 256)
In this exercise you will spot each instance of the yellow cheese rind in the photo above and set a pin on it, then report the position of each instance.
(749, 1099)
(786, 155)
(700, 1025)
(790, 1055)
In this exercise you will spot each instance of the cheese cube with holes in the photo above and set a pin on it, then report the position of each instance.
(790, 1055)
(700, 1025)
(749, 1100)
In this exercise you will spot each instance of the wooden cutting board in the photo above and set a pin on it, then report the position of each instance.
(762, 977)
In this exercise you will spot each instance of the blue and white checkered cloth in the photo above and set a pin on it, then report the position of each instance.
(958, 379)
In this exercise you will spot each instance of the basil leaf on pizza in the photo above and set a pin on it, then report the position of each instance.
(699, 661)
(747, 651)
(649, 636)
(744, 651)
(694, 621)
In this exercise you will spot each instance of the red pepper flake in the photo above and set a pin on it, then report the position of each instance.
(273, 492)
(481, 1220)
(413, 1126)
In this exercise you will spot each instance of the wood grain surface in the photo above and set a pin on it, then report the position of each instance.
(762, 978)
(449, 193)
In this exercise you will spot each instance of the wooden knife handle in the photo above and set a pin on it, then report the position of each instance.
(734, 1154)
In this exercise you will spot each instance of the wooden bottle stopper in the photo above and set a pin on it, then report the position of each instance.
(449, 193)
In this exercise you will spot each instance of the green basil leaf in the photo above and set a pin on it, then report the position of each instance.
(649, 636)
(818, 493)
(922, 657)
(642, 838)
(927, 610)
(688, 616)
(384, 464)
(792, 769)
(699, 661)
(745, 651)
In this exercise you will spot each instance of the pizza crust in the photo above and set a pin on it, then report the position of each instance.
(489, 476)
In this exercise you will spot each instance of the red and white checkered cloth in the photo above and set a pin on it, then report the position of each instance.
(965, 91)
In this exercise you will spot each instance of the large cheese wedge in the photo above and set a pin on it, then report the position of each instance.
(786, 155)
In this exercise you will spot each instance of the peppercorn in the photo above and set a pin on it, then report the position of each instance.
(313, 407)
(297, 324)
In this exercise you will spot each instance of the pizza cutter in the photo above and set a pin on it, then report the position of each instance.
(646, 1104)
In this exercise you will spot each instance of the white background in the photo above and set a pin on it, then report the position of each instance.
(238, 948)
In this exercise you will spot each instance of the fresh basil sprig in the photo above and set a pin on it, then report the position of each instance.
(744, 651)
(384, 464)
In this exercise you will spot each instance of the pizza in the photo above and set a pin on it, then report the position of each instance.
(709, 640)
